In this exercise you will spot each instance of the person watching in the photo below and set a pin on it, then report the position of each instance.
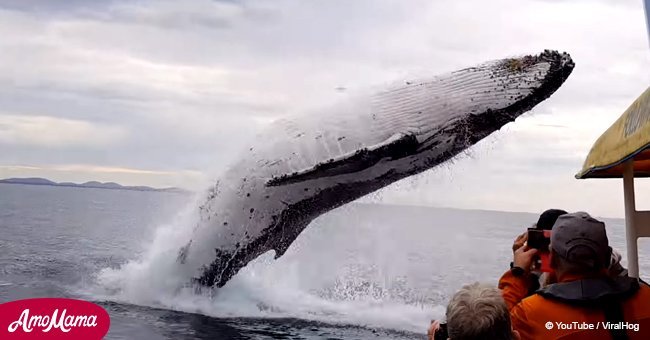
(540, 279)
(606, 306)
(476, 311)
(537, 279)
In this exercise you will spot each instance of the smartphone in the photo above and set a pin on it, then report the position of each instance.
(540, 240)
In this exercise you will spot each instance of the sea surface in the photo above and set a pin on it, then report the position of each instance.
(364, 271)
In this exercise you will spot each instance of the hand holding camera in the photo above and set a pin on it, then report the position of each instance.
(524, 258)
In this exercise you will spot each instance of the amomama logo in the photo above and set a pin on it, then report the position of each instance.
(53, 318)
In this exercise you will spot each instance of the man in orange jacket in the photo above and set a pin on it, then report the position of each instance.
(586, 302)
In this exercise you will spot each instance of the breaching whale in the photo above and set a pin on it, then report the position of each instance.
(301, 168)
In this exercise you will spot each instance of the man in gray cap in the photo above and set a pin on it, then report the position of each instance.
(581, 243)
(586, 302)
(540, 279)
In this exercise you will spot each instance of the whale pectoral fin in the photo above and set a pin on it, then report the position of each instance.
(395, 147)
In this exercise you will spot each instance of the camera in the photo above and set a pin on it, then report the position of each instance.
(441, 333)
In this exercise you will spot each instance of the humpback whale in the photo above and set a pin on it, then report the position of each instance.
(303, 167)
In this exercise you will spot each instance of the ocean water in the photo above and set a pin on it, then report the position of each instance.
(363, 271)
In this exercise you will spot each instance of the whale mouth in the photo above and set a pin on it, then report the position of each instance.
(477, 126)
(560, 67)
(560, 60)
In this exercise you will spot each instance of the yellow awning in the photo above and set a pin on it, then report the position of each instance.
(628, 138)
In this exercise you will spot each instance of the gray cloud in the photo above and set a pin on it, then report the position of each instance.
(188, 83)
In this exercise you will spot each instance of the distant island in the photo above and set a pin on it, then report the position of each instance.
(91, 184)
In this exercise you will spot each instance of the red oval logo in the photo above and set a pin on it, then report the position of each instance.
(53, 318)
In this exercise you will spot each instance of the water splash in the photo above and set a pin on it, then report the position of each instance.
(361, 290)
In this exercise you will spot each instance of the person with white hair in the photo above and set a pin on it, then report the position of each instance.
(476, 311)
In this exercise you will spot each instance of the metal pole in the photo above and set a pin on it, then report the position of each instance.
(630, 220)
(646, 6)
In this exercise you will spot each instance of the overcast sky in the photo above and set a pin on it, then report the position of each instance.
(167, 93)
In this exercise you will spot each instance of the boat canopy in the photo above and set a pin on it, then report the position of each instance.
(627, 139)
(624, 151)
